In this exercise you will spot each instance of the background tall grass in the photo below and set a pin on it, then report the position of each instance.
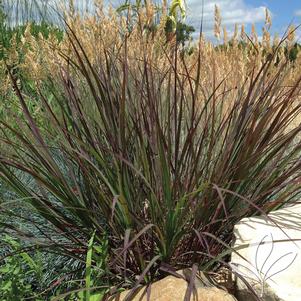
(20, 12)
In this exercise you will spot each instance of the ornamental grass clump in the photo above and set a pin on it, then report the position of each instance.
(150, 157)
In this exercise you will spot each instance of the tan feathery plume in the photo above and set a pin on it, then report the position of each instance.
(242, 32)
(266, 38)
(268, 20)
(164, 7)
(254, 35)
(225, 35)
(291, 34)
(98, 4)
(149, 11)
(235, 33)
(218, 22)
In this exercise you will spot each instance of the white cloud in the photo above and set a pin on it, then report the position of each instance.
(232, 12)
(298, 12)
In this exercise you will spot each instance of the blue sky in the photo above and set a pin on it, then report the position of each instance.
(247, 12)
(284, 12)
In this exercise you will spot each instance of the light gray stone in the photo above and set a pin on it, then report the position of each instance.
(269, 254)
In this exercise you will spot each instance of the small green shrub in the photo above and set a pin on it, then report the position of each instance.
(20, 273)
(94, 284)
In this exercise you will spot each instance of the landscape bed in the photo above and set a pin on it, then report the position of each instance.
(130, 151)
